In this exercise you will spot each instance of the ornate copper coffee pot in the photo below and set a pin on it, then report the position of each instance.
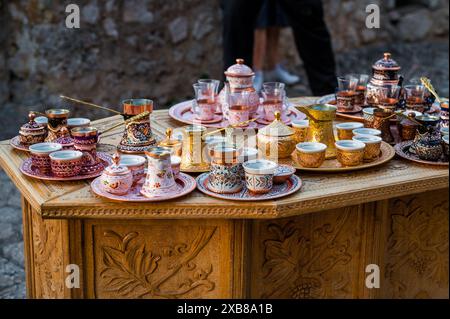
(137, 136)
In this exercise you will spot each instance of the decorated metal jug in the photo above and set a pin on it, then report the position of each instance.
(320, 130)
(137, 136)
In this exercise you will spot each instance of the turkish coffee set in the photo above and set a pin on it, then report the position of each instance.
(411, 117)
(65, 149)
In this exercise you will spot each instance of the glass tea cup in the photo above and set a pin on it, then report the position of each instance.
(212, 86)
(274, 96)
(204, 105)
(346, 95)
(361, 88)
(415, 97)
(238, 108)
(389, 97)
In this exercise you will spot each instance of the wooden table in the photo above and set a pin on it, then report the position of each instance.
(313, 244)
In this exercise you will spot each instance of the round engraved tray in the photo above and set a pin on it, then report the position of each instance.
(27, 169)
(357, 115)
(292, 185)
(333, 166)
(183, 112)
(402, 150)
(186, 184)
(15, 143)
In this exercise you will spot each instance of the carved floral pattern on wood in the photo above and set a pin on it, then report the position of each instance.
(418, 246)
(133, 270)
(296, 266)
(48, 258)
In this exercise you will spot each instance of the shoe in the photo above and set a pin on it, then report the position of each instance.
(279, 74)
(258, 80)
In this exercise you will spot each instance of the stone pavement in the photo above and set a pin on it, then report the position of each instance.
(12, 276)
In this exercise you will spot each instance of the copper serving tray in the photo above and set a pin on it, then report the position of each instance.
(185, 182)
(357, 116)
(27, 169)
(291, 186)
(182, 112)
(402, 150)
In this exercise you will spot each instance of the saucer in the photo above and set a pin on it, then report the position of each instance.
(217, 118)
(356, 109)
(292, 185)
(186, 184)
(28, 169)
(15, 143)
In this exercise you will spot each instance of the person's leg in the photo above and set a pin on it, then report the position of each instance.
(313, 43)
(273, 59)
(259, 49)
(239, 17)
(275, 70)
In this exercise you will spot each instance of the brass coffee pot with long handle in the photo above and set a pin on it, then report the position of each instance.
(320, 129)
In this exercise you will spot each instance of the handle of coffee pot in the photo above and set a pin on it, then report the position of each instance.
(305, 110)
(134, 118)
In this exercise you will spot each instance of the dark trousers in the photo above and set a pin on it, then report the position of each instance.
(310, 31)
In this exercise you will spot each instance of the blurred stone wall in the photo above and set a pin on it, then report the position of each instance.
(157, 48)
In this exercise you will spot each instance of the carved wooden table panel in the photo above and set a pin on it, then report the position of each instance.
(313, 244)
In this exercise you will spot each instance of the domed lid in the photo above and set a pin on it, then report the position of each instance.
(239, 69)
(31, 126)
(65, 138)
(115, 169)
(386, 63)
(169, 141)
(276, 128)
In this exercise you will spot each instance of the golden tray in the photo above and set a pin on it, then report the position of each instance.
(333, 166)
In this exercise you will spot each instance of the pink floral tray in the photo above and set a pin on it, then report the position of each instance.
(186, 184)
(27, 169)
(292, 185)
(15, 142)
(183, 112)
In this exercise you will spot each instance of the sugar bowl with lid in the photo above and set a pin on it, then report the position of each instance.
(276, 140)
(32, 132)
(116, 179)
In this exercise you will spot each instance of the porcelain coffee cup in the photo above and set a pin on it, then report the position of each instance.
(373, 146)
(78, 122)
(368, 116)
(366, 131)
(259, 175)
(136, 164)
(40, 156)
(345, 130)
(350, 152)
(311, 154)
(67, 163)
(301, 130)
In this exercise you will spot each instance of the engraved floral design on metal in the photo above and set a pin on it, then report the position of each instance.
(28, 169)
(405, 150)
(32, 132)
(292, 185)
(185, 185)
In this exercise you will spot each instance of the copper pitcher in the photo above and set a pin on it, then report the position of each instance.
(320, 129)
